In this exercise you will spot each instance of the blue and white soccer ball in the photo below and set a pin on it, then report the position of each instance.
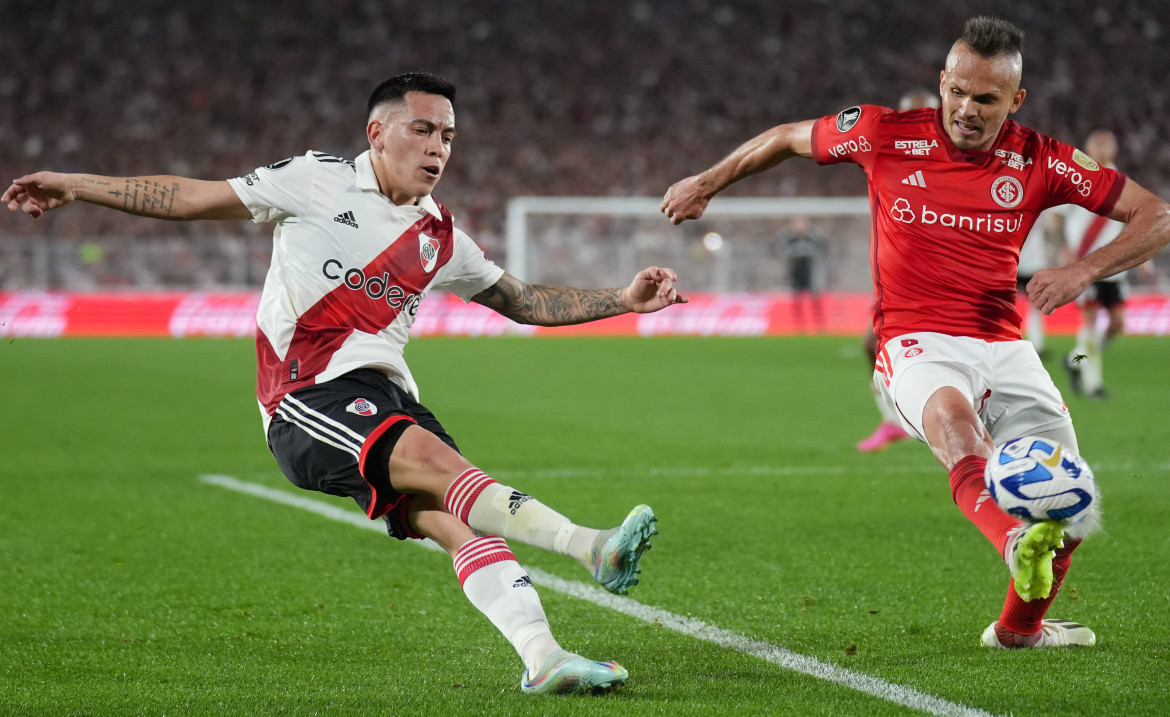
(1038, 479)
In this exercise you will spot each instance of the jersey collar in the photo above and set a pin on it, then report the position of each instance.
(367, 181)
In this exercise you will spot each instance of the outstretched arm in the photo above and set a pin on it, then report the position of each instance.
(687, 199)
(652, 289)
(1147, 230)
(163, 197)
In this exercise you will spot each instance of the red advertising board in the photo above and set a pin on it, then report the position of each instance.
(179, 314)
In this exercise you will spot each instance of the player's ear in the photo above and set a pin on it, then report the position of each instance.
(374, 134)
(1018, 100)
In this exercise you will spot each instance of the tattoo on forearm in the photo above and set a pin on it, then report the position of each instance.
(550, 305)
(147, 197)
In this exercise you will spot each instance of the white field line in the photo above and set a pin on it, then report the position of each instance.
(1104, 469)
(685, 625)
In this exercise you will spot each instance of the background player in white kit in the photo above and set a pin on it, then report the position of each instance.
(945, 253)
(357, 246)
(1086, 232)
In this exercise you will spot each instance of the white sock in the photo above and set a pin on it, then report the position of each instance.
(1083, 337)
(497, 509)
(499, 588)
(1091, 366)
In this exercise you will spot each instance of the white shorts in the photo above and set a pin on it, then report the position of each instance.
(1005, 382)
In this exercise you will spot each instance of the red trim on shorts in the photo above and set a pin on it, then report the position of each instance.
(883, 363)
(983, 401)
(371, 440)
(402, 508)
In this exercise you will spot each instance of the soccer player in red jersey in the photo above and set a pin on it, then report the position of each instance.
(358, 244)
(954, 192)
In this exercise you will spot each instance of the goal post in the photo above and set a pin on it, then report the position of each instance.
(738, 245)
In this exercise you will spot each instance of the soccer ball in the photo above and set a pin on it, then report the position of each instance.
(1038, 479)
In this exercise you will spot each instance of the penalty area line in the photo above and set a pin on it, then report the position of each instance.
(688, 626)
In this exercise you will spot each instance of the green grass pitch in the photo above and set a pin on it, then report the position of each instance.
(128, 586)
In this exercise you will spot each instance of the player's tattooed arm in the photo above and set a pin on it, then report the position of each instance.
(652, 289)
(544, 305)
(162, 197)
(145, 196)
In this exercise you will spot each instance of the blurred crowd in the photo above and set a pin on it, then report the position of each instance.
(554, 97)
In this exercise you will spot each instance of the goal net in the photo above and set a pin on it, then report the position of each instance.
(740, 245)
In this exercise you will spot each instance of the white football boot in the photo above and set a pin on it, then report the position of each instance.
(1053, 633)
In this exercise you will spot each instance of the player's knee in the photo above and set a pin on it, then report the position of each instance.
(953, 428)
(421, 462)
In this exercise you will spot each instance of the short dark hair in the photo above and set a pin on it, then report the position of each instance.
(992, 36)
(395, 88)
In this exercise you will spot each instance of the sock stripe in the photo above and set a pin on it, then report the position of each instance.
(480, 553)
(479, 548)
(464, 490)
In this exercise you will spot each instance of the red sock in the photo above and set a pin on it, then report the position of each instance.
(970, 494)
(1026, 617)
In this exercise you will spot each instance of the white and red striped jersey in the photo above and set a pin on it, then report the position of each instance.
(349, 268)
(1086, 232)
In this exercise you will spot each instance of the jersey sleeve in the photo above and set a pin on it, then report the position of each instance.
(1073, 177)
(469, 271)
(278, 192)
(848, 136)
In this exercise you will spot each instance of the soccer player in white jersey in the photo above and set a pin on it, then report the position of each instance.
(953, 193)
(1086, 232)
(357, 246)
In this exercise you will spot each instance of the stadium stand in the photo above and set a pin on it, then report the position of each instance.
(558, 97)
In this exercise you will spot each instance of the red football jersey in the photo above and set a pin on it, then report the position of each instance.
(948, 224)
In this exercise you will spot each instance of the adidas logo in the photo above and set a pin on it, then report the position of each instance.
(516, 500)
(915, 180)
(983, 497)
(346, 218)
(523, 582)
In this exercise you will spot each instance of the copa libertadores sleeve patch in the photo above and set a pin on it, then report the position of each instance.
(847, 118)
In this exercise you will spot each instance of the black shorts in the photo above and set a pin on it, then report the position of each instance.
(336, 438)
(800, 273)
(1105, 293)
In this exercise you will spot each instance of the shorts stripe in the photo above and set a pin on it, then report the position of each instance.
(326, 420)
(480, 553)
(464, 490)
(316, 429)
